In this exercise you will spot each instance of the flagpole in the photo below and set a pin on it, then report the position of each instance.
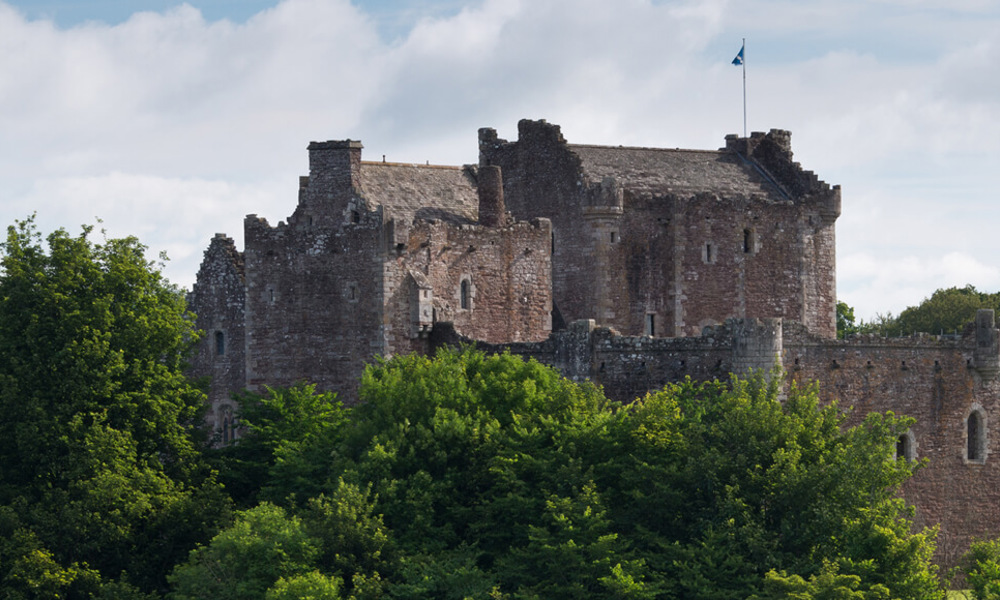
(744, 61)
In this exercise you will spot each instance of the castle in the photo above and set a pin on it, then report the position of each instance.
(631, 267)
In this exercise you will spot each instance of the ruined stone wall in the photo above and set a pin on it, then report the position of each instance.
(938, 383)
(314, 302)
(651, 262)
(541, 178)
(217, 300)
(629, 366)
(503, 272)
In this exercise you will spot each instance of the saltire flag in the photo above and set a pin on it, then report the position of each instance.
(739, 57)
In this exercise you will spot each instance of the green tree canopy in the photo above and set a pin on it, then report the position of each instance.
(99, 462)
(946, 311)
(489, 477)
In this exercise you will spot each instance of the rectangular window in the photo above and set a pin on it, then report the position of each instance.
(651, 325)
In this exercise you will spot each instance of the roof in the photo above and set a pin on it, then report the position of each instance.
(422, 191)
(655, 171)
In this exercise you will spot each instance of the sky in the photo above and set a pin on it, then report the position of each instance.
(171, 121)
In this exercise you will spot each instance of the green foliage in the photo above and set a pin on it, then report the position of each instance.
(845, 320)
(311, 586)
(99, 451)
(353, 539)
(981, 566)
(490, 476)
(827, 585)
(283, 449)
(947, 311)
(721, 483)
(244, 561)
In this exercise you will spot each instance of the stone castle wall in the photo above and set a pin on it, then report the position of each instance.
(740, 232)
(218, 300)
(939, 382)
(629, 267)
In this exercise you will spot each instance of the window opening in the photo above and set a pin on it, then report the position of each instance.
(976, 437)
(355, 216)
(904, 447)
(220, 343)
(614, 237)
(464, 292)
(651, 325)
(747, 241)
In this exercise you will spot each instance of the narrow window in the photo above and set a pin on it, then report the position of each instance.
(220, 343)
(976, 437)
(464, 294)
(226, 431)
(651, 325)
(553, 242)
(906, 446)
(355, 216)
(747, 241)
(614, 237)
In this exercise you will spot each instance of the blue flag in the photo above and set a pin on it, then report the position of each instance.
(739, 57)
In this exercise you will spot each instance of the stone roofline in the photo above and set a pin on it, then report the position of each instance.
(336, 145)
(382, 163)
(768, 153)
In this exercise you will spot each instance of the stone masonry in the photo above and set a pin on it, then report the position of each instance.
(630, 267)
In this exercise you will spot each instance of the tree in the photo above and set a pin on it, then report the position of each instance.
(285, 444)
(718, 483)
(243, 562)
(981, 566)
(946, 311)
(845, 320)
(498, 476)
(99, 447)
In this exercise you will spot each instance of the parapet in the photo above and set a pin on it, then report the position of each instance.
(771, 152)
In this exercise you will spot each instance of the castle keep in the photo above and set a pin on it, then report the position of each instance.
(631, 267)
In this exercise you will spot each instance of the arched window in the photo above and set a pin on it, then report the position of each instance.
(906, 446)
(975, 436)
(465, 295)
(220, 343)
(748, 241)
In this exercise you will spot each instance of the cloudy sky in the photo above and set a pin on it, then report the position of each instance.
(171, 121)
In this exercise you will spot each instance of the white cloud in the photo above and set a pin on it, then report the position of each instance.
(173, 128)
(891, 285)
(159, 211)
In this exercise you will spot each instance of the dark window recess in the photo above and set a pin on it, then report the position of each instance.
(220, 343)
(464, 292)
(651, 325)
(747, 241)
(975, 437)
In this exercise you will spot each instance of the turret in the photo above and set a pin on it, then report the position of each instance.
(491, 206)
